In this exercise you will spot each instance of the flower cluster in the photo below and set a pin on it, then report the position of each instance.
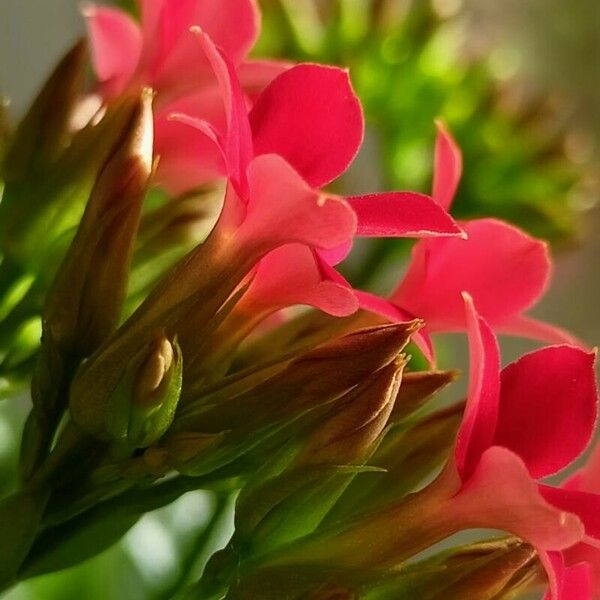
(173, 360)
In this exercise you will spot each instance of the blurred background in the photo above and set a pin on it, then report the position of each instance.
(517, 81)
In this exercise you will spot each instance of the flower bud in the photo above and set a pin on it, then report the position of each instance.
(293, 504)
(85, 301)
(84, 304)
(348, 437)
(39, 207)
(253, 420)
(143, 405)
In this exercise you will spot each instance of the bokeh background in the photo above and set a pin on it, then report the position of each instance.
(519, 83)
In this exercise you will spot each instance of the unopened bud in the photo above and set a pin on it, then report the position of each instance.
(142, 407)
(358, 420)
(85, 301)
(309, 380)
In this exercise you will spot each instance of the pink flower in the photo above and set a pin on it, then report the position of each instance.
(505, 271)
(163, 54)
(160, 52)
(309, 116)
(529, 422)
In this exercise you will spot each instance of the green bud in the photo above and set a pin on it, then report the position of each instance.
(142, 406)
(253, 421)
(498, 570)
(294, 503)
(84, 304)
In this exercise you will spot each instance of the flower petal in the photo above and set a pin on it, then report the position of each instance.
(283, 209)
(310, 115)
(292, 275)
(237, 140)
(566, 582)
(116, 44)
(448, 167)
(548, 407)
(528, 327)
(255, 75)
(502, 495)
(583, 504)
(188, 142)
(502, 268)
(402, 214)
(172, 58)
(476, 433)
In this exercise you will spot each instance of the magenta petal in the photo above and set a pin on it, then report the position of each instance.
(283, 209)
(336, 255)
(188, 141)
(528, 327)
(237, 142)
(566, 582)
(310, 116)
(292, 275)
(172, 58)
(476, 432)
(548, 407)
(502, 268)
(116, 44)
(583, 504)
(501, 494)
(448, 167)
(402, 214)
(255, 75)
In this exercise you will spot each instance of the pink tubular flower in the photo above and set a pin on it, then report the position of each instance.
(163, 54)
(310, 116)
(530, 422)
(505, 270)
(159, 52)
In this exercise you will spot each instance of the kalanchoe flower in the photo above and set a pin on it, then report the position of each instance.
(163, 54)
(490, 481)
(291, 96)
(159, 52)
(505, 270)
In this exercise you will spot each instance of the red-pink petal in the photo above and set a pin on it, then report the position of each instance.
(284, 209)
(566, 582)
(189, 147)
(255, 75)
(172, 59)
(501, 494)
(502, 268)
(116, 45)
(528, 327)
(310, 116)
(402, 214)
(237, 140)
(292, 275)
(336, 255)
(448, 167)
(548, 407)
(583, 504)
(476, 433)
